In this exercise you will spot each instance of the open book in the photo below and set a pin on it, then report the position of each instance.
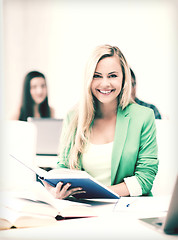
(24, 209)
(35, 206)
(10, 218)
(77, 178)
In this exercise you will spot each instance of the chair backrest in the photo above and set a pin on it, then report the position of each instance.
(167, 170)
(20, 141)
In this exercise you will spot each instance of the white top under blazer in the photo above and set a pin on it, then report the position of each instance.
(96, 161)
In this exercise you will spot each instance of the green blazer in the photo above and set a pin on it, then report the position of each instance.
(134, 149)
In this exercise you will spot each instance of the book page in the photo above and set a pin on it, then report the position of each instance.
(37, 192)
(66, 173)
(27, 205)
(9, 218)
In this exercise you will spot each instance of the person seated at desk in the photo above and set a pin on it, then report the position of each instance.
(107, 134)
(34, 98)
(156, 111)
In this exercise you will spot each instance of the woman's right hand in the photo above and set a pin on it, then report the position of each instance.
(62, 191)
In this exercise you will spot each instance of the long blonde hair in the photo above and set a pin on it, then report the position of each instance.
(78, 131)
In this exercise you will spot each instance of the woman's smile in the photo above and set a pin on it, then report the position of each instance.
(105, 92)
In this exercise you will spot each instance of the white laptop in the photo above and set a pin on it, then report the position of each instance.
(169, 223)
(48, 135)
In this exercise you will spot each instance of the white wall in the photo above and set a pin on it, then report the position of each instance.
(56, 37)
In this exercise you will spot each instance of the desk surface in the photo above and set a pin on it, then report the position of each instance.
(111, 225)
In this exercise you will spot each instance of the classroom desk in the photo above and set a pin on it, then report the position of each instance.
(115, 226)
(110, 225)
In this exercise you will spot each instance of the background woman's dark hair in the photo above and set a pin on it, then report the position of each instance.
(133, 77)
(27, 101)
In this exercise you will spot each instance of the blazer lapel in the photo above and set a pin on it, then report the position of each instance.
(119, 140)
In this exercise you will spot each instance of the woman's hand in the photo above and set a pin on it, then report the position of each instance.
(62, 191)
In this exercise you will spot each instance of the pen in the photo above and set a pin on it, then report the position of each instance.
(128, 205)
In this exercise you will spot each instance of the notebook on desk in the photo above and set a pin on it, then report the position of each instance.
(48, 135)
(169, 223)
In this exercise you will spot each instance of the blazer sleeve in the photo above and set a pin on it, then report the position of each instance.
(147, 161)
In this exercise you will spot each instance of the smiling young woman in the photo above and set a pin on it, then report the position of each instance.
(108, 135)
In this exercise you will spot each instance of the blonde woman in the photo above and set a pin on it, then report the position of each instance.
(107, 135)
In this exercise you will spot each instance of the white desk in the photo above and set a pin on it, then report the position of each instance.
(111, 225)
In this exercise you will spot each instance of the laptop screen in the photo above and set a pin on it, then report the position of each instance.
(48, 135)
(171, 221)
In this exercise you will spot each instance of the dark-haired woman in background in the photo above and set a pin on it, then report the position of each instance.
(34, 98)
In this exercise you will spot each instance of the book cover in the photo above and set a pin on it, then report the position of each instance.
(77, 178)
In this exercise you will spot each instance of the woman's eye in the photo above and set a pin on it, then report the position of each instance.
(43, 86)
(112, 76)
(96, 76)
